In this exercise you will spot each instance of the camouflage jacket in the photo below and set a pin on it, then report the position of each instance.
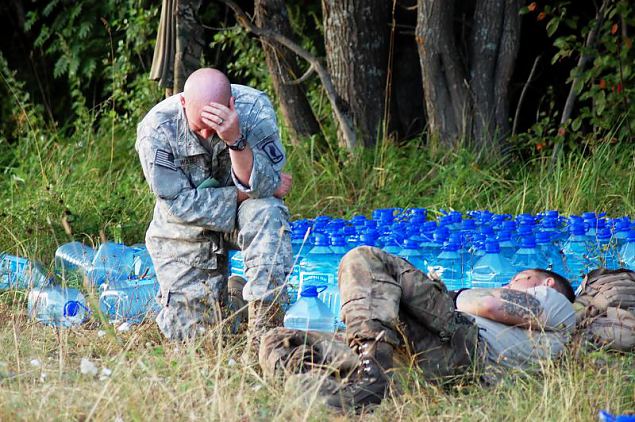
(194, 185)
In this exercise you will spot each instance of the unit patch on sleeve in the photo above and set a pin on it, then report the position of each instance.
(164, 159)
(273, 152)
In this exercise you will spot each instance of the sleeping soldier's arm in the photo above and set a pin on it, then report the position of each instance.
(507, 306)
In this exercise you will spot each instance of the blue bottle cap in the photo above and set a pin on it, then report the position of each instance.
(528, 241)
(71, 308)
(321, 240)
(604, 235)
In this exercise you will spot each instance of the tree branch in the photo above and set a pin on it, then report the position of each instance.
(582, 62)
(522, 94)
(273, 37)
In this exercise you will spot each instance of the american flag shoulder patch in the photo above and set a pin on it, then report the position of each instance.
(164, 159)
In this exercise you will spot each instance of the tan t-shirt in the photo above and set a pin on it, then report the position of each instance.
(519, 347)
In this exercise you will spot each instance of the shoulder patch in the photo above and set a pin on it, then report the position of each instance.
(164, 159)
(273, 152)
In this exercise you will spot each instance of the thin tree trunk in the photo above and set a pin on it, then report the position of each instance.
(356, 35)
(284, 69)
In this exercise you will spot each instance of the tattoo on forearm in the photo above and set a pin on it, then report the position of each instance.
(520, 304)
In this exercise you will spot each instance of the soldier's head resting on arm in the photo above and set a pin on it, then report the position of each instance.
(539, 277)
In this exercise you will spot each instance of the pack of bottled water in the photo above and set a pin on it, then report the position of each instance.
(467, 250)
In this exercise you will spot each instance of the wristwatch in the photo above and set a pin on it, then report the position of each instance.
(239, 144)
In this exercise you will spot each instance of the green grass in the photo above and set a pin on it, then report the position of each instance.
(91, 179)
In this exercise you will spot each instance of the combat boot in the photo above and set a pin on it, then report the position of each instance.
(369, 384)
(236, 305)
(263, 316)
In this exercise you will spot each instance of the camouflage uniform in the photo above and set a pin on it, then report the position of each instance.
(383, 298)
(196, 213)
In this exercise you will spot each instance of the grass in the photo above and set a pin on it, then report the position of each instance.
(90, 181)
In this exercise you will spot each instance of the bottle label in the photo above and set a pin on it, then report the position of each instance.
(316, 279)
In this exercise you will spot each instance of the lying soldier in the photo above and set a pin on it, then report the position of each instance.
(385, 299)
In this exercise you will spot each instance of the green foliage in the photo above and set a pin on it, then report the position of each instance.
(605, 88)
(248, 62)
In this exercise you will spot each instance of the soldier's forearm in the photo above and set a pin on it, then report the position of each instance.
(212, 208)
(242, 164)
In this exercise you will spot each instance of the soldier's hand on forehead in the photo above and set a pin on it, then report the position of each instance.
(224, 120)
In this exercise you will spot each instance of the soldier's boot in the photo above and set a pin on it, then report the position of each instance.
(236, 304)
(369, 384)
(263, 316)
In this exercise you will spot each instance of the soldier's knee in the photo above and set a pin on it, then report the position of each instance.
(260, 209)
(357, 255)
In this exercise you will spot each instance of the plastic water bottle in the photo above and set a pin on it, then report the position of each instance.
(318, 267)
(627, 252)
(391, 244)
(506, 245)
(606, 250)
(411, 253)
(235, 260)
(551, 252)
(576, 255)
(57, 306)
(143, 265)
(20, 273)
(73, 257)
(492, 270)
(449, 266)
(310, 313)
(528, 256)
(621, 228)
(112, 262)
(331, 298)
(605, 416)
(129, 300)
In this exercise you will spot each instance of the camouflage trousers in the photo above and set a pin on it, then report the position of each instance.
(193, 298)
(383, 298)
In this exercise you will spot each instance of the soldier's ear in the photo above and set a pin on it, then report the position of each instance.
(550, 282)
(182, 98)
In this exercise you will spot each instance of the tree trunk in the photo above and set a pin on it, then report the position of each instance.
(356, 36)
(467, 98)
(284, 69)
(189, 41)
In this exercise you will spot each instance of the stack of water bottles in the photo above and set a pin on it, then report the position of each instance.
(476, 249)
(123, 276)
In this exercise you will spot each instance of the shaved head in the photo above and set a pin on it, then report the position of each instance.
(202, 87)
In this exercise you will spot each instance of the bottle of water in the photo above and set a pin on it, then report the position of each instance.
(338, 247)
(318, 267)
(235, 261)
(112, 262)
(331, 298)
(605, 255)
(506, 245)
(449, 266)
(528, 256)
(411, 253)
(129, 300)
(310, 313)
(576, 254)
(551, 252)
(492, 270)
(627, 252)
(20, 273)
(391, 244)
(73, 257)
(57, 306)
(143, 265)
(621, 227)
